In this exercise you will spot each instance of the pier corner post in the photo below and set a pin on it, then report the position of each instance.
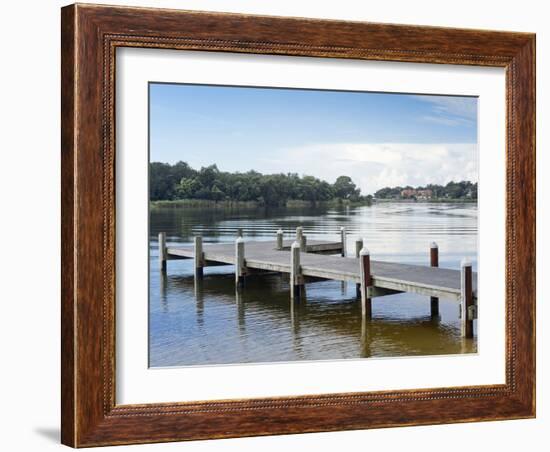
(280, 239)
(343, 240)
(199, 257)
(163, 254)
(358, 248)
(467, 299)
(366, 282)
(434, 262)
(296, 280)
(240, 269)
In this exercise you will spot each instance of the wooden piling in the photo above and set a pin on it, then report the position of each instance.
(239, 232)
(366, 282)
(303, 243)
(467, 299)
(358, 248)
(299, 233)
(240, 268)
(199, 257)
(434, 262)
(296, 280)
(162, 251)
(280, 239)
(343, 240)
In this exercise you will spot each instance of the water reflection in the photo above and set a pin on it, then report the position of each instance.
(207, 321)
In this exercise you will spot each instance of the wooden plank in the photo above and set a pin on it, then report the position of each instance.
(416, 288)
(374, 291)
(180, 252)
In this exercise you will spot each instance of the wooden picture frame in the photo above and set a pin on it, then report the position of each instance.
(90, 36)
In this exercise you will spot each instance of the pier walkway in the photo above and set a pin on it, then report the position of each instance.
(307, 260)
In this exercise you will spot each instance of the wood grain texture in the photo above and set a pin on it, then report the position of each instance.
(68, 310)
(90, 36)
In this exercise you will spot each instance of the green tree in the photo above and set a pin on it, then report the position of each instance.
(344, 188)
(217, 194)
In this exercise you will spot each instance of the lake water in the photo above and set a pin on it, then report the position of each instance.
(209, 323)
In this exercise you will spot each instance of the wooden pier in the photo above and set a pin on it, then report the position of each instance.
(305, 260)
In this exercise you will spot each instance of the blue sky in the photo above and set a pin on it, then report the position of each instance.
(378, 139)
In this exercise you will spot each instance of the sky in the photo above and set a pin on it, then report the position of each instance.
(378, 139)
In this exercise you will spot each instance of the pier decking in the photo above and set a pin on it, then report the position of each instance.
(304, 260)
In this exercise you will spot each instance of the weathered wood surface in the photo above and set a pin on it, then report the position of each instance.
(263, 255)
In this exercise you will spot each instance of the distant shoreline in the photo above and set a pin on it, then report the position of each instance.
(190, 203)
(207, 203)
(427, 201)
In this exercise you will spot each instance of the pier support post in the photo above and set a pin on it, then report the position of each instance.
(343, 240)
(299, 234)
(303, 243)
(358, 248)
(280, 239)
(467, 299)
(239, 232)
(296, 280)
(240, 267)
(199, 257)
(434, 262)
(366, 282)
(163, 255)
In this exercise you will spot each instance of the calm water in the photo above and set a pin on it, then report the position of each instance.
(211, 324)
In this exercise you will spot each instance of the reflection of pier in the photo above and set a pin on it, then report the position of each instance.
(303, 260)
(338, 320)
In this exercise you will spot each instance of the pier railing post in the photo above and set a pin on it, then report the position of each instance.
(343, 240)
(240, 268)
(199, 257)
(163, 254)
(280, 239)
(358, 248)
(296, 280)
(239, 232)
(366, 282)
(434, 262)
(467, 299)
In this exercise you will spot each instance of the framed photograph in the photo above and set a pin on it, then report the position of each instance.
(281, 225)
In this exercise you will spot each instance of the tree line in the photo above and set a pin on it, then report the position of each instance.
(179, 181)
(453, 190)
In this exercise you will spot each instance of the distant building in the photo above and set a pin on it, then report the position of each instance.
(408, 193)
(424, 194)
(418, 194)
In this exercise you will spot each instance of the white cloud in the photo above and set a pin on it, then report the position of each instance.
(451, 110)
(446, 121)
(376, 165)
